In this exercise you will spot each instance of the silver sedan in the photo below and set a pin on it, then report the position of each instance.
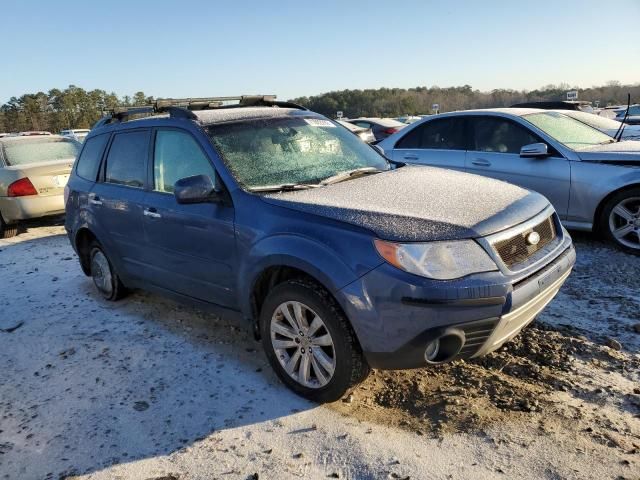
(34, 170)
(592, 181)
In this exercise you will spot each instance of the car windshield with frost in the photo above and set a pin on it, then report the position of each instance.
(281, 153)
(568, 131)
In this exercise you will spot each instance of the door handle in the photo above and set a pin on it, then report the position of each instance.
(151, 212)
(94, 199)
(411, 157)
(481, 162)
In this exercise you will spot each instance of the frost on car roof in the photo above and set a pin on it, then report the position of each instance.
(222, 115)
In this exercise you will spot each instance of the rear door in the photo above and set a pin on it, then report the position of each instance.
(116, 199)
(440, 142)
(191, 247)
(494, 151)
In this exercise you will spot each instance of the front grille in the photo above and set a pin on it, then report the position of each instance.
(517, 249)
(476, 333)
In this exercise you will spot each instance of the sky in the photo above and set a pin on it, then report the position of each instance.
(194, 48)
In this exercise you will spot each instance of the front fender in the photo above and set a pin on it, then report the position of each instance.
(296, 251)
(592, 182)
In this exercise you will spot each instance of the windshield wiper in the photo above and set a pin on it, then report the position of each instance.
(349, 174)
(284, 187)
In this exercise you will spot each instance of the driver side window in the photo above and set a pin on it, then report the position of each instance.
(498, 135)
(177, 155)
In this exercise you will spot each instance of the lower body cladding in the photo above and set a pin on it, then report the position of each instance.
(403, 321)
(14, 209)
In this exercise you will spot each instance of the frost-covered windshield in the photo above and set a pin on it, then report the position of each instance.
(568, 131)
(39, 149)
(595, 121)
(279, 151)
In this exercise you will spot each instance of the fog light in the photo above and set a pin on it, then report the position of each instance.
(431, 352)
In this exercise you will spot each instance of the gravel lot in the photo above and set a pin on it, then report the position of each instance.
(149, 389)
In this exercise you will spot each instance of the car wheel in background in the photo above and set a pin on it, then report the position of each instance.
(7, 231)
(621, 220)
(309, 342)
(104, 275)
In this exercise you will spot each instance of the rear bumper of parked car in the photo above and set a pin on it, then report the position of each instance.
(397, 315)
(14, 209)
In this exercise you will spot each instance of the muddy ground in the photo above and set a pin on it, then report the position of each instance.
(149, 389)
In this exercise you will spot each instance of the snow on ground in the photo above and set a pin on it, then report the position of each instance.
(149, 389)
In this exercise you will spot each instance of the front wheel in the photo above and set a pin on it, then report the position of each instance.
(621, 220)
(104, 275)
(310, 343)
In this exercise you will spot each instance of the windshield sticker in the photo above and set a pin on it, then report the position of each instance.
(318, 122)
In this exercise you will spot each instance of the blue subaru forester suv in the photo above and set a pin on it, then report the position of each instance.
(340, 260)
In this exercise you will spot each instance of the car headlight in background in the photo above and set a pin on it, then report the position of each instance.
(438, 260)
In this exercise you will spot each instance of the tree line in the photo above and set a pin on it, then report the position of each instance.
(75, 107)
(394, 102)
(58, 109)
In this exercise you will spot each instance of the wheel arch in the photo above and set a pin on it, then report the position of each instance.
(597, 216)
(82, 242)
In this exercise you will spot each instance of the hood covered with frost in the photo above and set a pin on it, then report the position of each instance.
(416, 203)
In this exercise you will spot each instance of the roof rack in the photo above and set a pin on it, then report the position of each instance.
(184, 107)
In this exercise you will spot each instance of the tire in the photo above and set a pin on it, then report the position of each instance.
(330, 344)
(620, 220)
(105, 278)
(7, 231)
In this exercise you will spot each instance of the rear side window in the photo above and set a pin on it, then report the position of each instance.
(177, 155)
(89, 160)
(443, 134)
(126, 162)
(500, 135)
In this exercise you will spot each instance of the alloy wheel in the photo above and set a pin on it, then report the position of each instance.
(624, 222)
(303, 344)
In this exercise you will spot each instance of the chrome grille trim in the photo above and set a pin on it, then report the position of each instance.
(536, 258)
(516, 249)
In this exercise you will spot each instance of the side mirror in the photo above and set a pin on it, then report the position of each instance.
(535, 150)
(196, 189)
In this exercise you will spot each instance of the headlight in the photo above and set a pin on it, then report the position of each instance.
(438, 260)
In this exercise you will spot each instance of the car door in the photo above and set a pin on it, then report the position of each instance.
(494, 151)
(115, 201)
(191, 247)
(439, 142)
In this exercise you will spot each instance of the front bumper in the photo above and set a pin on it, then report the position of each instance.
(14, 209)
(395, 314)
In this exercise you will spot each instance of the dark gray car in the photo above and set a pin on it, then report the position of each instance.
(592, 181)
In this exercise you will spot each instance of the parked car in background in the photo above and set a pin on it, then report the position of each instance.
(78, 134)
(365, 134)
(609, 111)
(592, 180)
(34, 170)
(632, 118)
(340, 260)
(580, 105)
(634, 111)
(605, 125)
(408, 119)
(381, 127)
(4, 135)
(33, 133)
